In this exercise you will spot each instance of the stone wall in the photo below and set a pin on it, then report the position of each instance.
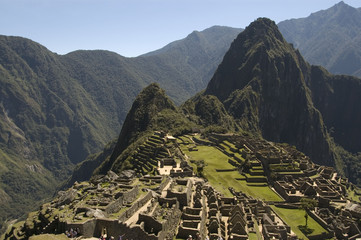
(164, 184)
(181, 174)
(135, 207)
(150, 224)
(126, 197)
(188, 228)
(183, 197)
(201, 142)
(323, 235)
(318, 219)
(86, 229)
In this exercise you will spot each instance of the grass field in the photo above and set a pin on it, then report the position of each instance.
(215, 159)
(295, 217)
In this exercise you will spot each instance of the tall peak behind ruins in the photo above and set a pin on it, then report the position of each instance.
(262, 82)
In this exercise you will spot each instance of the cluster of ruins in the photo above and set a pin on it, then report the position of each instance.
(175, 203)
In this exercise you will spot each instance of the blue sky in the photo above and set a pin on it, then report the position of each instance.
(134, 27)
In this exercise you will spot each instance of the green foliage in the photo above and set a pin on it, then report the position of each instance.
(59, 109)
(23, 186)
(308, 204)
(348, 163)
(208, 111)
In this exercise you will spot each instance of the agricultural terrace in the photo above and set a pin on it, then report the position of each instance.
(215, 160)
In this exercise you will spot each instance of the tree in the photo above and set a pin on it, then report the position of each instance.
(308, 204)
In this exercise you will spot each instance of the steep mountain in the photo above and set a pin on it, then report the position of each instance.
(56, 110)
(264, 80)
(330, 38)
(149, 103)
(336, 97)
(263, 86)
(151, 111)
(270, 90)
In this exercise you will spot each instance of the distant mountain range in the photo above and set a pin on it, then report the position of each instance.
(57, 109)
(330, 38)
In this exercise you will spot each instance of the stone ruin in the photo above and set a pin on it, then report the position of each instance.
(179, 204)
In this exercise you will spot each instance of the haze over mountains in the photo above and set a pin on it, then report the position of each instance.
(56, 110)
(330, 38)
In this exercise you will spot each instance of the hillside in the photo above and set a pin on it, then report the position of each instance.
(330, 38)
(165, 180)
(263, 87)
(270, 90)
(262, 81)
(57, 109)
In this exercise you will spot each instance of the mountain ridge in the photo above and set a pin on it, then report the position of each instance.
(328, 37)
(279, 102)
(51, 124)
(58, 109)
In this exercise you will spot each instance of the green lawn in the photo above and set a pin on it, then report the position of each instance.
(295, 217)
(215, 159)
(252, 236)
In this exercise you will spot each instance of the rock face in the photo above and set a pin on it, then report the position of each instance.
(337, 98)
(262, 83)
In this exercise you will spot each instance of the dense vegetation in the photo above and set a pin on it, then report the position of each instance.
(288, 101)
(267, 87)
(56, 110)
(152, 111)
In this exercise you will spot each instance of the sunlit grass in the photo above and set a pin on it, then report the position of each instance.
(215, 159)
(295, 218)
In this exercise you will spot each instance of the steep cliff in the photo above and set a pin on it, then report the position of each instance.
(262, 82)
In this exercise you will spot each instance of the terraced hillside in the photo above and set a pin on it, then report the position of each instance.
(238, 180)
(146, 156)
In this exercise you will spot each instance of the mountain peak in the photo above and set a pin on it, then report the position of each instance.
(259, 43)
(150, 101)
(342, 8)
(261, 80)
(342, 4)
(263, 28)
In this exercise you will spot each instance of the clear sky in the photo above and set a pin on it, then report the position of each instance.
(134, 27)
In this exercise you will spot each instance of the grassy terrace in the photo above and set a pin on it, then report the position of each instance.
(295, 218)
(215, 159)
(231, 148)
